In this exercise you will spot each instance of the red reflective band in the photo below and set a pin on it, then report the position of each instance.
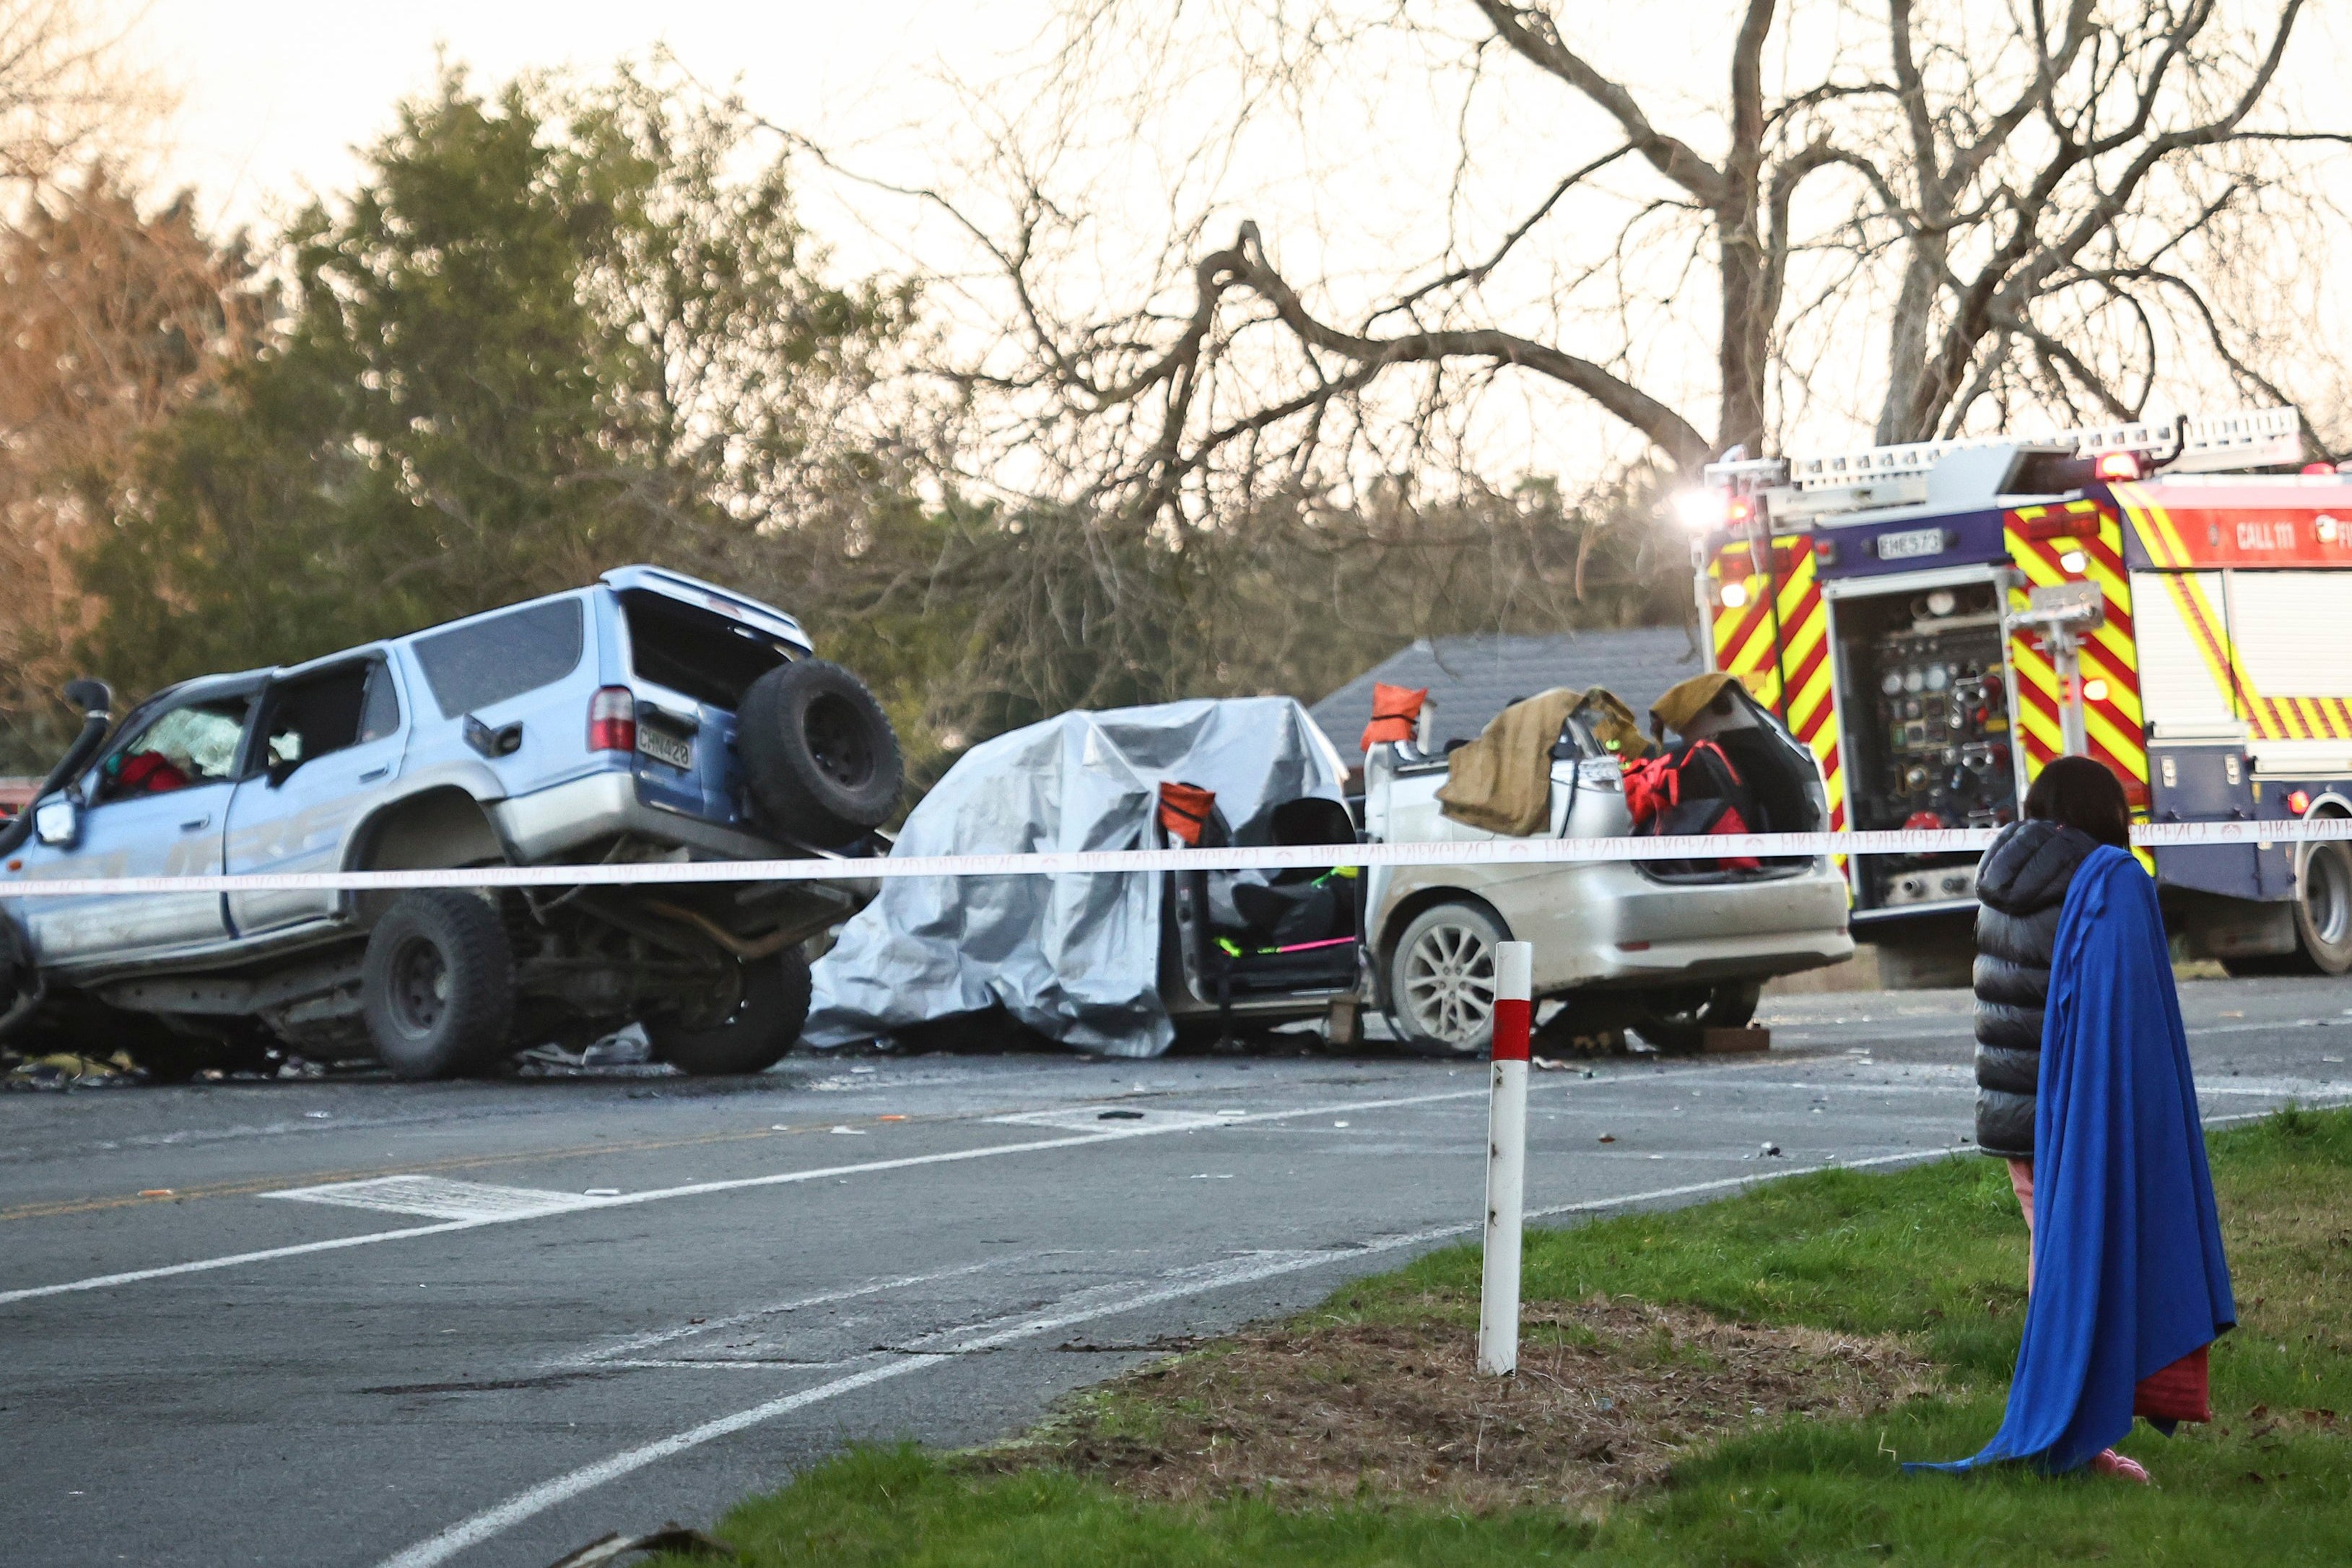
(1513, 1016)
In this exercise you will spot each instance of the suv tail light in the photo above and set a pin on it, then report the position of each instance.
(613, 720)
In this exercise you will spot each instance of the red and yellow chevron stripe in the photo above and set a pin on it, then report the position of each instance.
(1793, 673)
(2114, 725)
(2267, 718)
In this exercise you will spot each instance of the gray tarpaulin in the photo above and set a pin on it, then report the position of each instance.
(1076, 958)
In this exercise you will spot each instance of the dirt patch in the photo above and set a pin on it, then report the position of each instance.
(1607, 1397)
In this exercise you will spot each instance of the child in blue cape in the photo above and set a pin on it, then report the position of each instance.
(2127, 1285)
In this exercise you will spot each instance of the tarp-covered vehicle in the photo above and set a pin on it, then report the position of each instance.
(648, 717)
(1118, 963)
(1669, 948)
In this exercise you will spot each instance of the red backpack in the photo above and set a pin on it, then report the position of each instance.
(1691, 790)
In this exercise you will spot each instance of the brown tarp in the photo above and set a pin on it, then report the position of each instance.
(1687, 702)
(1501, 782)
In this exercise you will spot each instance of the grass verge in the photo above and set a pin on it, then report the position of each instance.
(1917, 1274)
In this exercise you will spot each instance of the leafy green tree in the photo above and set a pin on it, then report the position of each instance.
(551, 330)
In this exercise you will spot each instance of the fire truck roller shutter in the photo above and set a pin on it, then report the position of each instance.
(2076, 541)
(1745, 647)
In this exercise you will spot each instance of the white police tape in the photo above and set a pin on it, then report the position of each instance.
(44, 884)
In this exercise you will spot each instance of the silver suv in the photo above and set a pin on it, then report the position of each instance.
(647, 717)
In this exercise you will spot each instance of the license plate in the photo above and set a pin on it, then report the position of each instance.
(1910, 544)
(662, 747)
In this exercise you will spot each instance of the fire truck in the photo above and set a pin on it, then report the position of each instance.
(1939, 620)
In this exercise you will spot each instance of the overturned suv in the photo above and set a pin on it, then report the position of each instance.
(647, 718)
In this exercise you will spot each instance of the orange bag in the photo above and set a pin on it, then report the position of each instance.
(1184, 812)
(1395, 710)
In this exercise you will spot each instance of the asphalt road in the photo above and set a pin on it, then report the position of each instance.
(377, 1324)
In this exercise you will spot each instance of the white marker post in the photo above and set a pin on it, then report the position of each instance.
(1507, 1159)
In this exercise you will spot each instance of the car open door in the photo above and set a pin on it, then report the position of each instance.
(155, 805)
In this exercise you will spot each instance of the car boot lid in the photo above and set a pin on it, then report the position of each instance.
(694, 591)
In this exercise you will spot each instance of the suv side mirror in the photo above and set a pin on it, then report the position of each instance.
(58, 823)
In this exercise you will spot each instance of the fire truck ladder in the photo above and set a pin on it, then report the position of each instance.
(2183, 444)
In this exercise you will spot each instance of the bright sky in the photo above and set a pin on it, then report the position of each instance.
(274, 93)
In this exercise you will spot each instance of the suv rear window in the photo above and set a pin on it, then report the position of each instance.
(477, 665)
(710, 658)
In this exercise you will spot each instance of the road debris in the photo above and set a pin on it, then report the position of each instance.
(1608, 1138)
(72, 1069)
(848, 1132)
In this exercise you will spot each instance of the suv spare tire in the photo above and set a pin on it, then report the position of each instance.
(438, 986)
(818, 753)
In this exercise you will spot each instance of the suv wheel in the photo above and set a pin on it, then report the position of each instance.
(437, 988)
(1441, 980)
(746, 1032)
(1678, 1020)
(818, 751)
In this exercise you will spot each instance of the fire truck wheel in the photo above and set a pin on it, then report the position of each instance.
(2323, 909)
(1678, 1021)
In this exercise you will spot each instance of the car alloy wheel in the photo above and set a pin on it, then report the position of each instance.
(1442, 981)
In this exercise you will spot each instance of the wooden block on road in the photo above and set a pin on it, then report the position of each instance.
(1731, 1042)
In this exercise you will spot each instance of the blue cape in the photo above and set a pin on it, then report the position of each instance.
(2128, 1275)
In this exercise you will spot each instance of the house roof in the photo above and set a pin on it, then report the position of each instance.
(1471, 679)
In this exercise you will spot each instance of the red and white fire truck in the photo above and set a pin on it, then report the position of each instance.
(1939, 620)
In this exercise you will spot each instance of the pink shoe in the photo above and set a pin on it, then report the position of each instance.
(2110, 1463)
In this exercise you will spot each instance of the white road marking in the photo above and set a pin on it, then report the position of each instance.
(607, 1354)
(740, 1184)
(1102, 1302)
(438, 1197)
(657, 1194)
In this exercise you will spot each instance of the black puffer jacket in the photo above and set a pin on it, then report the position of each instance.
(2021, 886)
